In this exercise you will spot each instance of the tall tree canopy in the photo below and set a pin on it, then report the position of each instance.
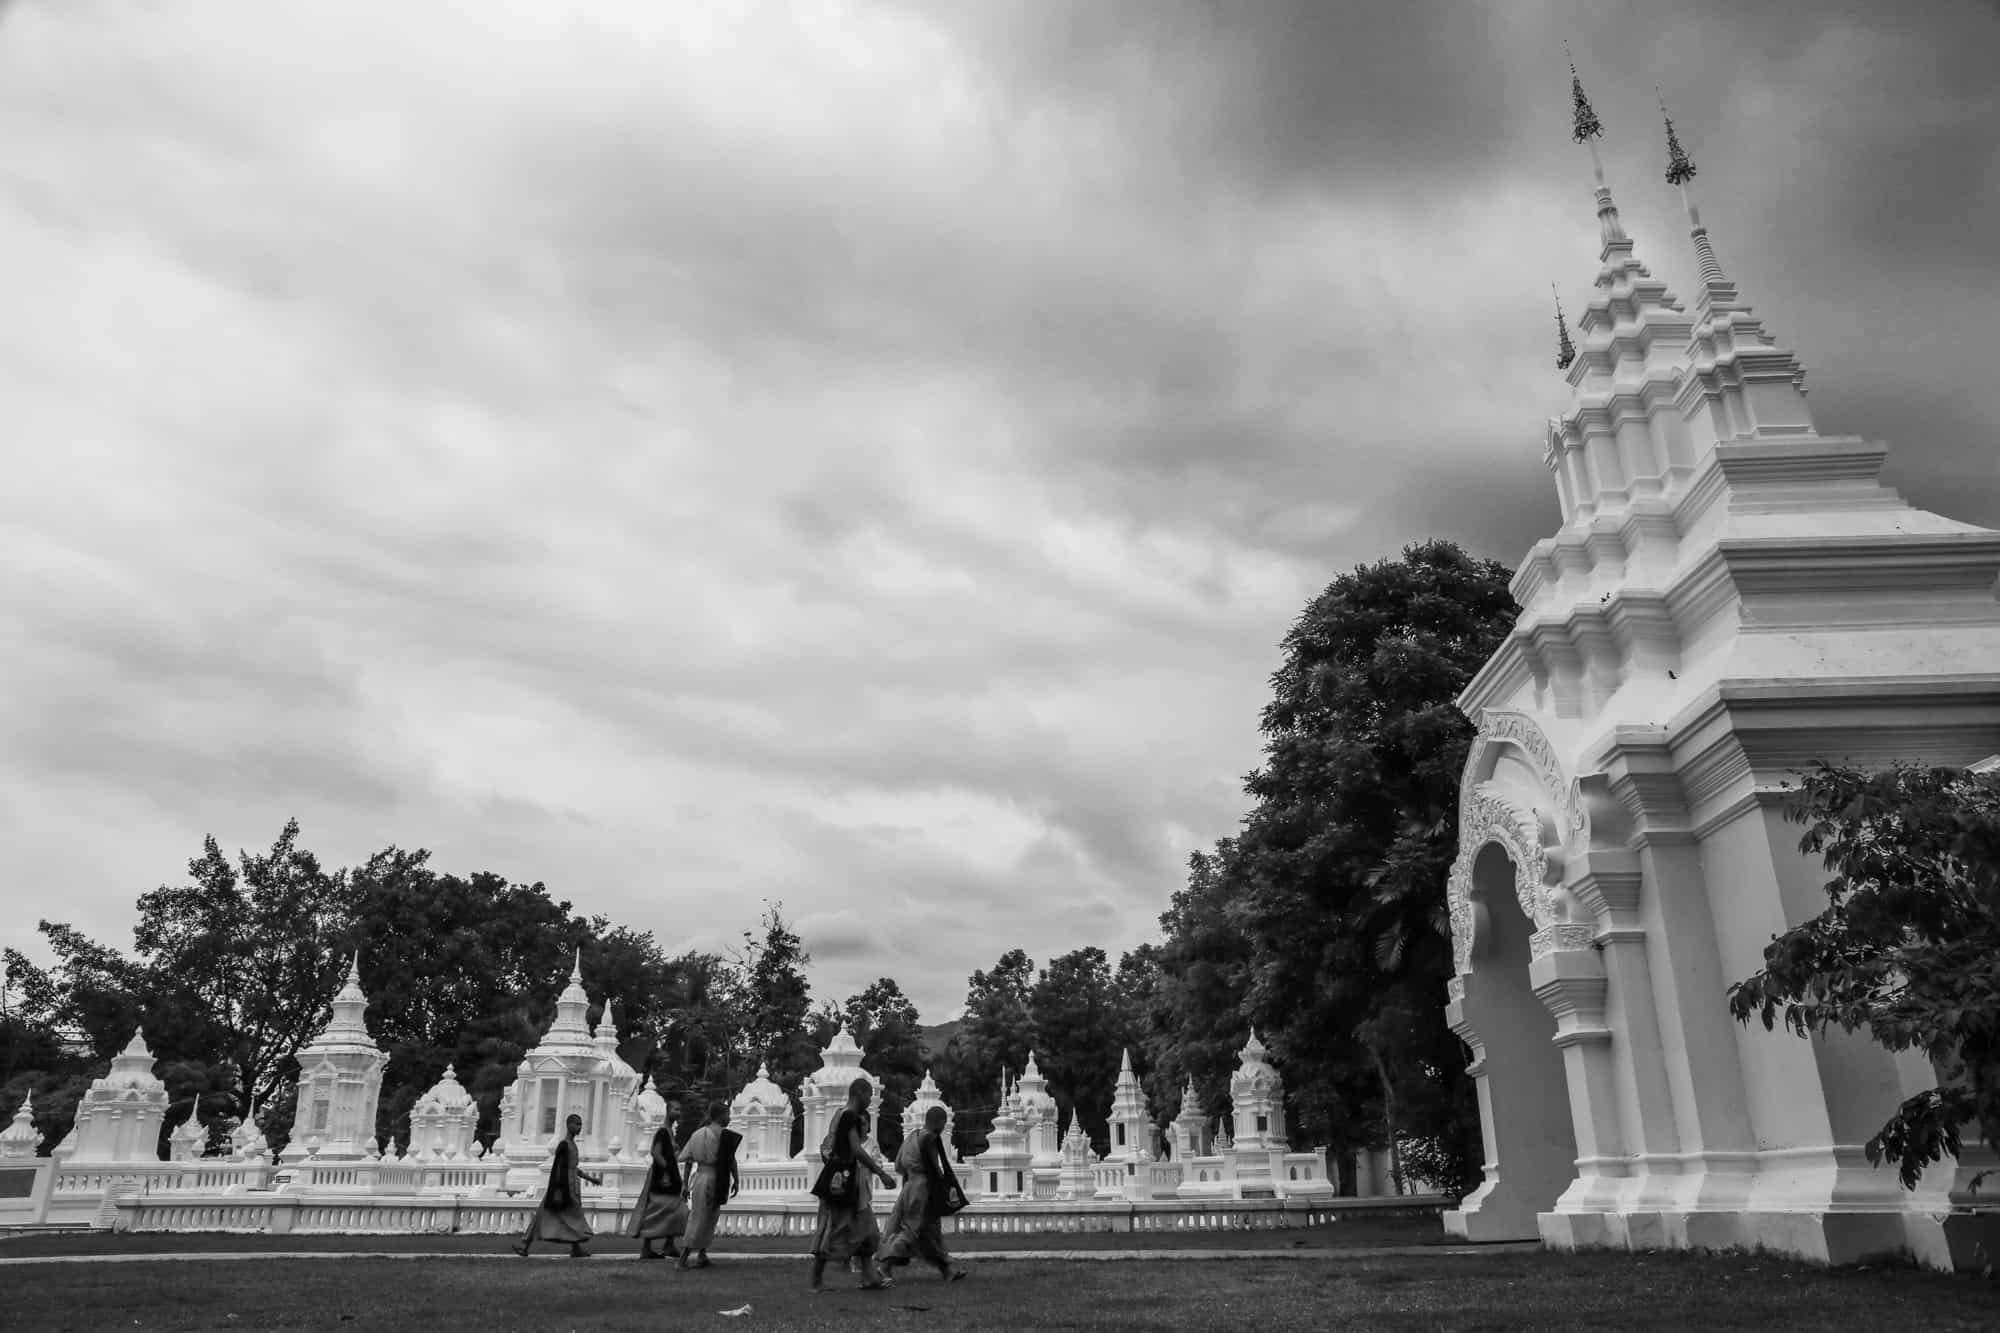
(1908, 948)
(1323, 921)
(777, 999)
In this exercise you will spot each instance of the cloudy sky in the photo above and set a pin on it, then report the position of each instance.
(862, 455)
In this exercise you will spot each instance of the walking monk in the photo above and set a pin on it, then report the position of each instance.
(560, 1218)
(847, 1218)
(661, 1212)
(930, 1192)
(709, 1166)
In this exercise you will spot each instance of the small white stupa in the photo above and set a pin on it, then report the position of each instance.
(340, 1083)
(444, 1122)
(1076, 1181)
(1191, 1136)
(20, 1139)
(1131, 1123)
(119, 1118)
(188, 1140)
(824, 1091)
(569, 1072)
(1039, 1116)
(644, 1115)
(929, 1095)
(248, 1144)
(1257, 1100)
(762, 1114)
(1004, 1168)
(624, 1083)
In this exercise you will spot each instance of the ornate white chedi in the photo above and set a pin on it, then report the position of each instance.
(20, 1139)
(1131, 1124)
(340, 1083)
(569, 1072)
(644, 1114)
(1005, 1168)
(188, 1140)
(1191, 1129)
(120, 1116)
(824, 1091)
(1731, 596)
(1256, 1100)
(444, 1122)
(929, 1095)
(248, 1143)
(762, 1114)
(624, 1081)
(1039, 1116)
(1076, 1180)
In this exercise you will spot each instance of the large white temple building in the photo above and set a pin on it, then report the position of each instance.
(1732, 596)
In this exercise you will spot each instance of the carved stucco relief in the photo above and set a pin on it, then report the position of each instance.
(1486, 815)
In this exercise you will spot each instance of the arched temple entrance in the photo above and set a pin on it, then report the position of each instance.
(1524, 1107)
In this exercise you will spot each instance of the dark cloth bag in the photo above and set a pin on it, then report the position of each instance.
(725, 1164)
(664, 1179)
(557, 1197)
(838, 1185)
(945, 1195)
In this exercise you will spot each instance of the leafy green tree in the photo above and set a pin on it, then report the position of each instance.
(777, 999)
(1908, 948)
(1081, 1026)
(1195, 1012)
(247, 958)
(93, 991)
(703, 1050)
(1323, 921)
(995, 1035)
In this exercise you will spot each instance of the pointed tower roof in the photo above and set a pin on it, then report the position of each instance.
(1630, 334)
(346, 1030)
(349, 1003)
(1565, 349)
(20, 1138)
(1718, 294)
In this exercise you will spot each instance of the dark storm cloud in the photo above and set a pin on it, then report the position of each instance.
(858, 455)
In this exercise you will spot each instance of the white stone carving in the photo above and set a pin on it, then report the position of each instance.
(1561, 938)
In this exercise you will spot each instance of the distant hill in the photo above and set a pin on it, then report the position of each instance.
(937, 1036)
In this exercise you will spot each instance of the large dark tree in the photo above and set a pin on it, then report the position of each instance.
(777, 1000)
(1081, 1027)
(1323, 921)
(996, 1033)
(1908, 948)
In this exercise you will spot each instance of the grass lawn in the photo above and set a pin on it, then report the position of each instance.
(1512, 1290)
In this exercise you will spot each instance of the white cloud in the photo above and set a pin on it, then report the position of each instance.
(858, 455)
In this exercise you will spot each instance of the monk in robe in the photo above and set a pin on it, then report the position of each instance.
(930, 1191)
(661, 1212)
(708, 1163)
(846, 1227)
(560, 1218)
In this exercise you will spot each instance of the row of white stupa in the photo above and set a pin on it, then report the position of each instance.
(333, 1146)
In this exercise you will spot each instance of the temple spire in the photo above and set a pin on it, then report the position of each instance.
(1587, 129)
(1565, 349)
(1585, 126)
(1718, 293)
